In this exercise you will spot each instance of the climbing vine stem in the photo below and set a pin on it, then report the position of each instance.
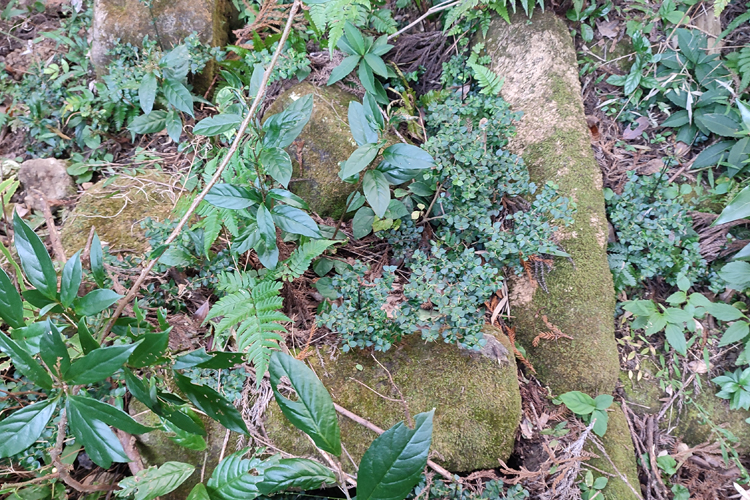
(219, 171)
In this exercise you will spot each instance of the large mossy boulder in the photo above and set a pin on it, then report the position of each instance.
(116, 209)
(166, 21)
(324, 142)
(475, 395)
(538, 61)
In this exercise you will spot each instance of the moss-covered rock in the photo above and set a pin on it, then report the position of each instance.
(156, 448)
(475, 395)
(323, 143)
(116, 211)
(538, 62)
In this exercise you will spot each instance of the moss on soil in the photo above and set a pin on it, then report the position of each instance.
(116, 211)
(476, 399)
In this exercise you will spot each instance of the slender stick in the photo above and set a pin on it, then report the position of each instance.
(421, 18)
(219, 171)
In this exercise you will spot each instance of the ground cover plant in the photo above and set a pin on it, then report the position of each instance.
(441, 217)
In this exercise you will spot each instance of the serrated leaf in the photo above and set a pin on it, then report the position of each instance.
(313, 411)
(155, 121)
(24, 426)
(156, 481)
(394, 462)
(676, 338)
(35, 260)
(719, 124)
(231, 479)
(724, 312)
(178, 95)
(98, 364)
(212, 404)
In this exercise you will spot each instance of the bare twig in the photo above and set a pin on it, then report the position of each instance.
(127, 441)
(54, 236)
(219, 172)
(424, 16)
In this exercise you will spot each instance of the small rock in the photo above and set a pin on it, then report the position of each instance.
(48, 176)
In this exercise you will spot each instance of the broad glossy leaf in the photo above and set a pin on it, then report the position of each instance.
(266, 226)
(288, 198)
(29, 337)
(247, 239)
(98, 364)
(600, 426)
(408, 158)
(283, 128)
(88, 343)
(174, 125)
(176, 63)
(156, 481)
(295, 221)
(278, 164)
(362, 130)
(377, 191)
(183, 438)
(147, 92)
(394, 462)
(23, 427)
(343, 69)
(268, 253)
(24, 363)
(212, 404)
(359, 160)
(101, 444)
(11, 306)
(35, 260)
(218, 124)
(738, 208)
(150, 350)
(295, 473)
(95, 302)
(71, 280)
(376, 65)
(96, 261)
(362, 222)
(199, 492)
(231, 479)
(109, 414)
(313, 411)
(53, 351)
(231, 196)
(178, 95)
(154, 121)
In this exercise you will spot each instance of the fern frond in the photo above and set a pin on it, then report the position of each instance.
(300, 260)
(458, 12)
(252, 309)
(382, 20)
(489, 82)
(337, 12)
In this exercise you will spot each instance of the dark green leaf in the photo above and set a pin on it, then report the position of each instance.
(101, 444)
(231, 479)
(199, 491)
(360, 126)
(295, 473)
(343, 69)
(98, 364)
(283, 128)
(88, 343)
(313, 412)
(176, 63)
(96, 261)
(218, 124)
(381, 47)
(23, 427)
(719, 124)
(109, 414)
(247, 239)
(154, 482)
(377, 191)
(587, 32)
(150, 350)
(288, 198)
(155, 121)
(736, 274)
(677, 119)
(359, 160)
(354, 38)
(35, 260)
(191, 359)
(234, 197)
(147, 92)
(633, 79)
(322, 266)
(408, 158)
(212, 404)
(177, 95)
(174, 125)
(71, 280)
(376, 65)
(712, 154)
(95, 302)
(53, 351)
(266, 225)
(362, 222)
(183, 438)
(277, 163)
(394, 462)
(295, 221)
(11, 306)
(24, 363)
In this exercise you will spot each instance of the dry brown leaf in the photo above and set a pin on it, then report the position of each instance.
(630, 134)
(608, 29)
